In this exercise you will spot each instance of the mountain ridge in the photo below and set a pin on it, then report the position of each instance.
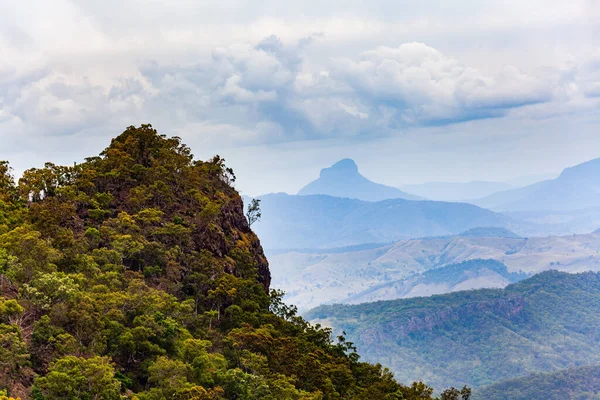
(312, 221)
(576, 188)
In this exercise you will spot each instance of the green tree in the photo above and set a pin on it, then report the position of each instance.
(253, 213)
(74, 378)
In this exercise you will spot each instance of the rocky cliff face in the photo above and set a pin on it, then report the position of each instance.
(235, 230)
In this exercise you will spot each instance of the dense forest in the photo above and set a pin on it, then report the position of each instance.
(581, 383)
(135, 275)
(548, 322)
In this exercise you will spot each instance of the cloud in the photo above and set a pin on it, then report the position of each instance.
(271, 91)
(378, 92)
(417, 84)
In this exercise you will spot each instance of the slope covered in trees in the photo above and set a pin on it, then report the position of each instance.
(581, 383)
(135, 274)
(548, 322)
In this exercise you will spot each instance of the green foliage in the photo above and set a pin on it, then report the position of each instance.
(253, 213)
(47, 290)
(581, 383)
(135, 274)
(74, 378)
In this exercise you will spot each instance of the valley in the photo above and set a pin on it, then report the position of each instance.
(392, 271)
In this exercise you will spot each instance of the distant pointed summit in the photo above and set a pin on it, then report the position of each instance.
(342, 179)
(346, 166)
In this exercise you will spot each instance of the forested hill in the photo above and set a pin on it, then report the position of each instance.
(581, 383)
(135, 275)
(544, 323)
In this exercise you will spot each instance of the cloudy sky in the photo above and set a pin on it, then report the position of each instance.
(414, 91)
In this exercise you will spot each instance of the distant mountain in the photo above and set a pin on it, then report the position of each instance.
(389, 271)
(342, 179)
(456, 191)
(576, 188)
(472, 274)
(320, 221)
(574, 383)
(480, 337)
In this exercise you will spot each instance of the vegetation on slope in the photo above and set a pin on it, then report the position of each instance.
(136, 275)
(548, 322)
(581, 383)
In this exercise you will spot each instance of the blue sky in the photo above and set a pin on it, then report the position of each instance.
(413, 91)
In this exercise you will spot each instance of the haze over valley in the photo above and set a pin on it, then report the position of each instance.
(327, 248)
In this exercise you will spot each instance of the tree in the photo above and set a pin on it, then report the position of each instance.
(13, 354)
(7, 183)
(253, 214)
(455, 394)
(75, 378)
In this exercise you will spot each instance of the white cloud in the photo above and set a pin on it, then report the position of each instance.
(271, 84)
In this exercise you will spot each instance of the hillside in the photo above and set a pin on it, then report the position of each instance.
(387, 271)
(472, 274)
(575, 383)
(545, 323)
(490, 232)
(135, 275)
(342, 179)
(576, 188)
(318, 221)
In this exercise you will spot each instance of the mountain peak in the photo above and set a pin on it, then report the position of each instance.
(588, 169)
(342, 179)
(347, 166)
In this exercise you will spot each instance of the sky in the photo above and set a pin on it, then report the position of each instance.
(413, 91)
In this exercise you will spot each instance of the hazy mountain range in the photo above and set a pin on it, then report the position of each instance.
(545, 323)
(329, 213)
(320, 221)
